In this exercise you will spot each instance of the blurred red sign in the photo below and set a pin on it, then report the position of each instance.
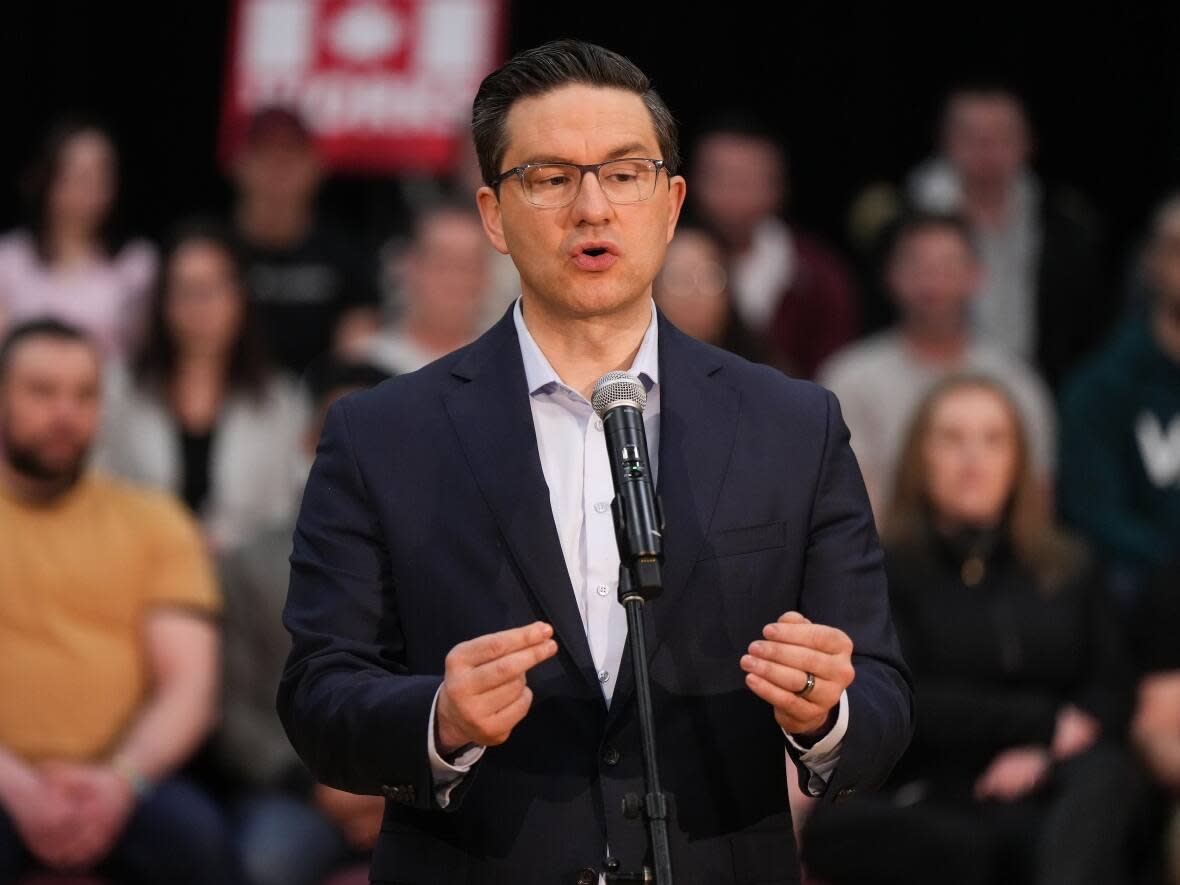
(385, 85)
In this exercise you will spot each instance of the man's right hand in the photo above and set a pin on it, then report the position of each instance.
(48, 823)
(484, 694)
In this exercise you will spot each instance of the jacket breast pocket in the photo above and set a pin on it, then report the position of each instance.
(741, 582)
(744, 539)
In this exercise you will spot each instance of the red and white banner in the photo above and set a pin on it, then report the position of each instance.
(384, 85)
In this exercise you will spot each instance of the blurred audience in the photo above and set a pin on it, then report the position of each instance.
(1017, 771)
(314, 292)
(1156, 727)
(1042, 294)
(787, 285)
(1120, 442)
(692, 290)
(289, 831)
(200, 411)
(444, 273)
(503, 286)
(108, 650)
(72, 260)
(933, 273)
(988, 289)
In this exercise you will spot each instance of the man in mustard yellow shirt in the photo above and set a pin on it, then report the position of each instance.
(108, 647)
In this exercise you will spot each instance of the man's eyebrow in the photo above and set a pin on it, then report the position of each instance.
(633, 149)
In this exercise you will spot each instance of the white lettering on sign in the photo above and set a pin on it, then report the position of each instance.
(381, 83)
(366, 32)
(1159, 449)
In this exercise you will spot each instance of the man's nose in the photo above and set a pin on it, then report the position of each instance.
(591, 205)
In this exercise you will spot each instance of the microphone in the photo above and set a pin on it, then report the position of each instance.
(619, 399)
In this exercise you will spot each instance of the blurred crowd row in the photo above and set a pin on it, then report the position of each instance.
(1013, 403)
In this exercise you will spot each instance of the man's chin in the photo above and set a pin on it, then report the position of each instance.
(58, 471)
(597, 294)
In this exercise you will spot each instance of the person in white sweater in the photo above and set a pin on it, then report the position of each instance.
(200, 410)
(933, 272)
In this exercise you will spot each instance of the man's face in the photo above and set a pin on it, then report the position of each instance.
(739, 183)
(932, 275)
(1163, 260)
(690, 289)
(447, 271)
(986, 139)
(84, 188)
(582, 124)
(280, 170)
(49, 407)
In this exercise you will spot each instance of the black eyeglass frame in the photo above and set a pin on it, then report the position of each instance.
(582, 168)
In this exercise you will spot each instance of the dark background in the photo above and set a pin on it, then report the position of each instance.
(853, 90)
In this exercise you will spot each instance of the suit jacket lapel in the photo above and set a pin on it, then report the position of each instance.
(698, 423)
(494, 424)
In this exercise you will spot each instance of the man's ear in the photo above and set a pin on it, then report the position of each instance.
(492, 217)
(677, 187)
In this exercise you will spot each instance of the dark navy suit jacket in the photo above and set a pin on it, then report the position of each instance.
(426, 522)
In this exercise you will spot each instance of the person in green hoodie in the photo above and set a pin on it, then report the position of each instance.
(1119, 472)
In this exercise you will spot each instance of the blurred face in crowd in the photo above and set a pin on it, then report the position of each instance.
(971, 455)
(932, 274)
(204, 301)
(986, 139)
(49, 407)
(83, 186)
(1163, 257)
(556, 250)
(738, 181)
(690, 289)
(279, 169)
(446, 272)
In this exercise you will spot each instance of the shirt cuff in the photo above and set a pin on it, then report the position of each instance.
(821, 759)
(447, 775)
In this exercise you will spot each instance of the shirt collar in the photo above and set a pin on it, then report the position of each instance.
(540, 374)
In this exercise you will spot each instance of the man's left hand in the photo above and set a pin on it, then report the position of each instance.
(777, 666)
(105, 801)
(358, 817)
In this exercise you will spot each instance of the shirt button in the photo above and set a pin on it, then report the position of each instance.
(610, 756)
(603, 675)
(601, 506)
(602, 589)
(598, 424)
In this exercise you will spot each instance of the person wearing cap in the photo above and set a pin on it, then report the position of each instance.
(314, 290)
(458, 646)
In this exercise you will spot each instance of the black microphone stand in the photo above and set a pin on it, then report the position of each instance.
(619, 399)
(638, 583)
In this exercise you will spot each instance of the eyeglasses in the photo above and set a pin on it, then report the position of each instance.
(554, 185)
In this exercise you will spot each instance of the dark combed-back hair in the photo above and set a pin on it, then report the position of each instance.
(744, 123)
(43, 174)
(983, 87)
(42, 327)
(154, 365)
(918, 221)
(550, 66)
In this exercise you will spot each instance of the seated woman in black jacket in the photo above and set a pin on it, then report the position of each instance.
(1017, 771)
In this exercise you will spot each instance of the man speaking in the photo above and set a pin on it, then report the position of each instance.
(458, 643)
